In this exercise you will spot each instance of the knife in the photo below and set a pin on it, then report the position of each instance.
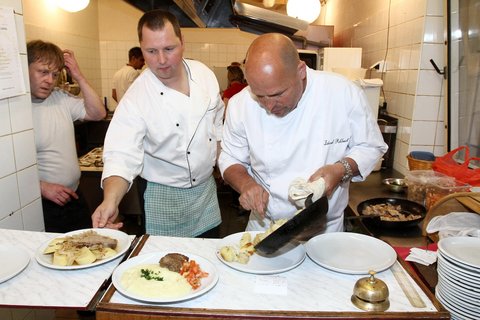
(304, 225)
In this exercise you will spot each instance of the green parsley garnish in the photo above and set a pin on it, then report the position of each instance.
(150, 275)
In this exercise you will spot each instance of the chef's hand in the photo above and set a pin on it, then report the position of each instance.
(332, 174)
(105, 216)
(72, 65)
(254, 197)
(57, 193)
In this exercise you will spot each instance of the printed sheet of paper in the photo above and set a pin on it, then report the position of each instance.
(11, 75)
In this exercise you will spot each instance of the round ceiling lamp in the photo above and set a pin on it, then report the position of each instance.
(307, 10)
(73, 5)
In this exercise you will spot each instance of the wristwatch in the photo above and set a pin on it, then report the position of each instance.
(347, 176)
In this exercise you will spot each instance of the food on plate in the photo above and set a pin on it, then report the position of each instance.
(173, 261)
(389, 212)
(158, 281)
(245, 248)
(81, 249)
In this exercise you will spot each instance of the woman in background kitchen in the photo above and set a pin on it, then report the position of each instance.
(292, 122)
(236, 82)
(54, 111)
(166, 128)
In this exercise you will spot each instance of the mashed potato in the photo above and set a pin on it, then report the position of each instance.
(153, 281)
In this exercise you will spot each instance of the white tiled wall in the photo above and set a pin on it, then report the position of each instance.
(19, 187)
(21, 206)
(407, 34)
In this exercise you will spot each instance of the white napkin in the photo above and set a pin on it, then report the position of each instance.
(422, 256)
(455, 224)
(300, 189)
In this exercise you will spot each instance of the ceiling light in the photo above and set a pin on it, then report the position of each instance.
(72, 5)
(307, 10)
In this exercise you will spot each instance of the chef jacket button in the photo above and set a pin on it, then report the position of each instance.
(210, 139)
(161, 93)
(188, 152)
(193, 180)
(178, 125)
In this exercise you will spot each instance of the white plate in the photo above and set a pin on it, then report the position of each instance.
(351, 253)
(286, 258)
(14, 260)
(122, 246)
(207, 283)
(465, 250)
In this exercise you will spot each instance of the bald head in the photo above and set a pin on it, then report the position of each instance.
(272, 54)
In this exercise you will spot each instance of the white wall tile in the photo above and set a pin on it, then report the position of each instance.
(28, 185)
(426, 108)
(7, 160)
(5, 127)
(434, 30)
(430, 83)
(434, 8)
(440, 134)
(24, 146)
(32, 215)
(9, 198)
(423, 132)
(21, 113)
(433, 51)
(13, 221)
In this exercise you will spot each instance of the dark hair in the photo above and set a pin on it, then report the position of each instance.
(235, 73)
(155, 20)
(135, 52)
(38, 50)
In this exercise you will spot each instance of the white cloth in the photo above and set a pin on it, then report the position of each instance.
(455, 224)
(55, 137)
(167, 137)
(300, 189)
(333, 120)
(123, 78)
(422, 256)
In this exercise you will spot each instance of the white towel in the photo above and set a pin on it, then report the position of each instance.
(300, 189)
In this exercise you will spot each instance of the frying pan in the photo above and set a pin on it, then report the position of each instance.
(405, 205)
(304, 225)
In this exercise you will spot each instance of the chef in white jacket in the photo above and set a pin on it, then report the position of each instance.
(294, 122)
(166, 129)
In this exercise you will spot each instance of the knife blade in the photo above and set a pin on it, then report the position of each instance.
(304, 225)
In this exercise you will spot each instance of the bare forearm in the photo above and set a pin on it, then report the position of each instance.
(93, 104)
(114, 189)
(237, 177)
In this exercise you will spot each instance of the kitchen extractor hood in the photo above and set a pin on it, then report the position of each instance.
(259, 20)
(225, 14)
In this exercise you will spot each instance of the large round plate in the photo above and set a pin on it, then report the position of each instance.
(286, 258)
(405, 204)
(465, 250)
(14, 260)
(351, 253)
(152, 258)
(122, 245)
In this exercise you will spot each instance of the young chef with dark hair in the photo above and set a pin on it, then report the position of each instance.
(293, 121)
(166, 129)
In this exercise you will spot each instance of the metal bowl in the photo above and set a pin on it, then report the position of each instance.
(395, 184)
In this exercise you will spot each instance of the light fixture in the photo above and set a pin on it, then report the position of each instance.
(72, 5)
(268, 3)
(307, 10)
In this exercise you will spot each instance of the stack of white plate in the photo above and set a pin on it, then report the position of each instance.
(458, 287)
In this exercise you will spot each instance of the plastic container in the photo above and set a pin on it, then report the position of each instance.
(441, 188)
(418, 181)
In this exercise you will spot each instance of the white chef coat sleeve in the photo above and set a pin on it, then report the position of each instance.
(123, 150)
(366, 146)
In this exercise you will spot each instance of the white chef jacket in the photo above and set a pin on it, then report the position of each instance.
(332, 120)
(123, 79)
(55, 137)
(163, 135)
